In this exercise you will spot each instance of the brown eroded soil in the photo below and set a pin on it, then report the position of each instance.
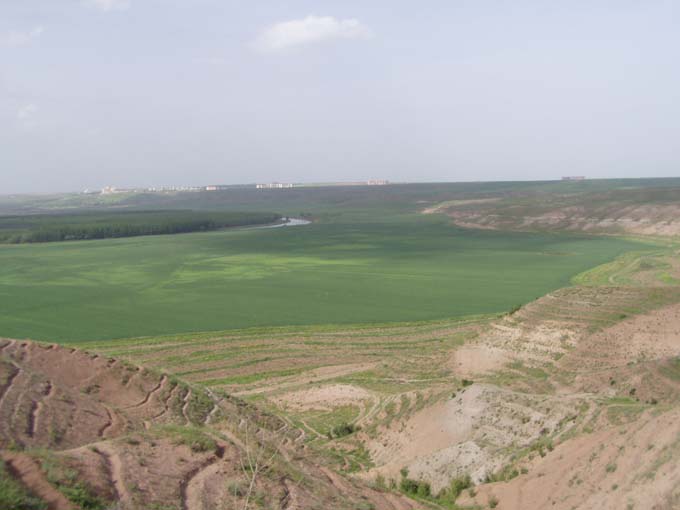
(138, 439)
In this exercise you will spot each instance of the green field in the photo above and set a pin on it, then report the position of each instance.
(382, 268)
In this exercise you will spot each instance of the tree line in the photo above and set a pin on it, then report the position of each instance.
(83, 226)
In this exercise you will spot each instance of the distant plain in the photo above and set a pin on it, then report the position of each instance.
(368, 257)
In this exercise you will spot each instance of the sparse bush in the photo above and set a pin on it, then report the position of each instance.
(455, 488)
(413, 487)
(493, 502)
(505, 474)
(237, 488)
(92, 388)
(342, 430)
(542, 445)
(380, 481)
(419, 488)
(466, 382)
(200, 405)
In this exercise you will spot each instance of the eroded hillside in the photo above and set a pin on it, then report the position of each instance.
(80, 430)
(569, 402)
(639, 211)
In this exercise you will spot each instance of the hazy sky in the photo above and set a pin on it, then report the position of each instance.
(188, 92)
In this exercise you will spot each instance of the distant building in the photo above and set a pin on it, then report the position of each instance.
(211, 188)
(173, 189)
(108, 190)
(574, 178)
(274, 185)
(377, 182)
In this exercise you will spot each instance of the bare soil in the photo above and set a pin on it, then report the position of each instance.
(136, 438)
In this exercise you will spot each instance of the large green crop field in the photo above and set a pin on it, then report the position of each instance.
(380, 269)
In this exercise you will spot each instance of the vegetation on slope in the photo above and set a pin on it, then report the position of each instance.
(14, 495)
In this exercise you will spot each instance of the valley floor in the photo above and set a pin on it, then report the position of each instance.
(570, 402)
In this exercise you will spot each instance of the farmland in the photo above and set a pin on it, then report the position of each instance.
(381, 269)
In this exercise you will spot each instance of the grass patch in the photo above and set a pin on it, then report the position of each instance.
(69, 482)
(193, 437)
(336, 423)
(14, 496)
(199, 406)
(671, 369)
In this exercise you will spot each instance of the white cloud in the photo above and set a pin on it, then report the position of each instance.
(309, 30)
(26, 115)
(110, 5)
(21, 38)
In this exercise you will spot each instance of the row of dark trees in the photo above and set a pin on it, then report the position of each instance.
(51, 228)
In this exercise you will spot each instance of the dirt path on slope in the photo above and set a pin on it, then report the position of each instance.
(194, 486)
(150, 394)
(114, 468)
(29, 473)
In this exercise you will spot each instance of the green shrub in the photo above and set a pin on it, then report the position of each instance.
(13, 495)
(67, 481)
(455, 488)
(505, 474)
(342, 430)
(416, 487)
(81, 496)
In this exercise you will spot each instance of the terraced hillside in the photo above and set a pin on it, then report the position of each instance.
(574, 382)
(80, 430)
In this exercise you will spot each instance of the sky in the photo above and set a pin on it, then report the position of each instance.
(138, 93)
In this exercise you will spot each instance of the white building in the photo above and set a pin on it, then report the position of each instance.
(274, 185)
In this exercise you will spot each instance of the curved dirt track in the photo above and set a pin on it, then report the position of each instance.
(28, 472)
